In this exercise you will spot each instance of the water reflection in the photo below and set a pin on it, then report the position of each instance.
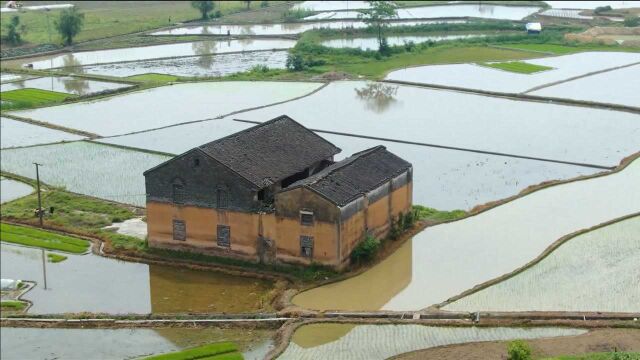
(64, 84)
(367, 291)
(203, 48)
(377, 97)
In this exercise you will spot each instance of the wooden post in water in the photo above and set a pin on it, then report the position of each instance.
(39, 197)
(44, 269)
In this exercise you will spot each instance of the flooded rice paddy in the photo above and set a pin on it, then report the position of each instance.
(596, 271)
(597, 88)
(351, 341)
(450, 258)
(167, 105)
(103, 171)
(64, 84)
(157, 51)
(331, 5)
(592, 4)
(5, 77)
(283, 29)
(196, 66)
(121, 344)
(472, 76)
(566, 13)
(96, 284)
(444, 179)
(18, 133)
(410, 113)
(371, 43)
(445, 11)
(12, 189)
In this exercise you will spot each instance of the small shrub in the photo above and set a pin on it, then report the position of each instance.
(216, 14)
(601, 9)
(519, 350)
(409, 46)
(394, 229)
(409, 220)
(632, 21)
(264, 4)
(384, 48)
(365, 251)
(295, 62)
(261, 68)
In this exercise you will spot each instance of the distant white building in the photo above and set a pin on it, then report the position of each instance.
(534, 28)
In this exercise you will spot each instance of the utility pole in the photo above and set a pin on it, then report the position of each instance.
(44, 269)
(39, 196)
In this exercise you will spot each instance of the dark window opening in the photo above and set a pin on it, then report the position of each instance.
(178, 193)
(224, 236)
(196, 162)
(295, 177)
(222, 199)
(261, 195)
(179, 230)
(306, 218)
(306, 246)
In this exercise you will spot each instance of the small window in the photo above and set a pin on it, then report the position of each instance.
(224, 236)
(221, 199)
(179, 230)
(306, 246)
(196, 162)
(261, 195)
(178, 193)
(306, 218)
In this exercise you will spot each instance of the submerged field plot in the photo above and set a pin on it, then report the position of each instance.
(352, 341)
(86, 168)
(167, 105)
(64, 84)
(12, 189)
(451, 258)
(17, 133)
(596, 271)
(371, 43)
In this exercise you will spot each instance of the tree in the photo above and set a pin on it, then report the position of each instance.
(14, 31)
(518, 350)
(631, 21)
(376, 15)
(203, 6)
(69, 24)
(248, 2)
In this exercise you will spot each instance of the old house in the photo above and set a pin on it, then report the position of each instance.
(272, 193)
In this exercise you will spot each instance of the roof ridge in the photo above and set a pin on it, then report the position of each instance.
(341, 164)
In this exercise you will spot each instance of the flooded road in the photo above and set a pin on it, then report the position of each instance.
(450, 258)
(351, 341)
(96, 284)
(116, 344)
(64, 84)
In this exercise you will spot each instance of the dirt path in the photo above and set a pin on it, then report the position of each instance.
(597, 340)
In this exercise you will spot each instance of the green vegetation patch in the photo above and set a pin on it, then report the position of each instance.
(600, 356)
(43, 239)
(153, 77)
(217, 351)
(426, 213)
(33, 96)
(517, 67)
(566, 49)
(56, 258)
(13, 305)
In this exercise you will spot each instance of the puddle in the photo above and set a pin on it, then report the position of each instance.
(98, 344)
(92, 169)
(156, 51)
(350, 341)
(171, 105)
(591, 88)
(96, 284)
(597, 271)
(199, 66)
(12, 189)
(371, 43)
(283, 29)
(17, 133)
(133, 227)
(472, 76)
(558, 132)
(450, 258)
(445, 11)
(64, 84)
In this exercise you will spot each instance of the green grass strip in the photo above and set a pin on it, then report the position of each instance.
(13, 305)
(153, 77)
(33, 96)
(210, 351)
(426, 213)
(517, 67)
(56, 258)
(41, 238)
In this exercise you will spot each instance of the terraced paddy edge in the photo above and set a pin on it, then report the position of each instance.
(12, 189)
(594, 271)
(85, 283)
(351, 341)
(372, 42)
(15, 133)
(65, 84)
(43, 239)
(98, 170)
(199, 66)
(35, 343)
(208, 47)
(482, 78)
(448, 259)
(591, 88)
(435, 117)
(171, 104)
